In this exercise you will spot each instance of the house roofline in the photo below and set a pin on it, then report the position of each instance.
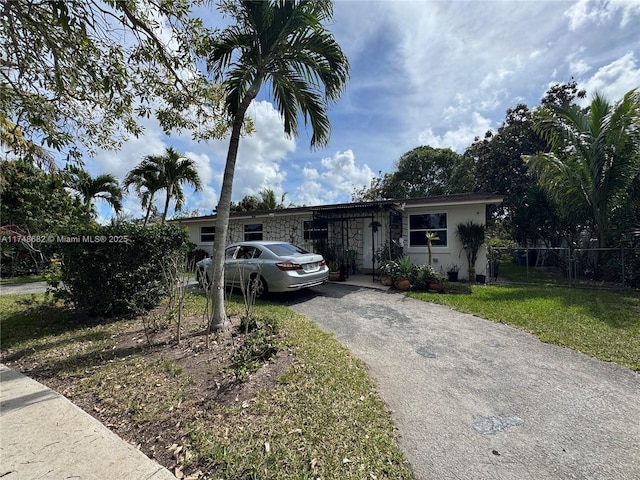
(388, 204)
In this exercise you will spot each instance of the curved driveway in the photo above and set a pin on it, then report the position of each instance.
(474, 399)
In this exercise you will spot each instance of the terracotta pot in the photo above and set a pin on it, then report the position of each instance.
(402, 284)
(436, 287)
(334, 276)
(386, 280)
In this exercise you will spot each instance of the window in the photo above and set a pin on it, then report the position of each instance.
(252, 231)
(316, 230)
(207, 234)
(419, 225)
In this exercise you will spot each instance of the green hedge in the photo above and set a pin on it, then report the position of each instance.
(119, 270)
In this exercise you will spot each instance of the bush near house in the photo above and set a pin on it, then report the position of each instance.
(118, 270)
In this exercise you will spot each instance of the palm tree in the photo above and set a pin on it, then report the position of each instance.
(268, 200)
(285, 44)
(146, 179)
(594, 157)
(163, 172)
(104, 186)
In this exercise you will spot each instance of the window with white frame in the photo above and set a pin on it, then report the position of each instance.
(252, 231)
(207, 234)
(421, 224)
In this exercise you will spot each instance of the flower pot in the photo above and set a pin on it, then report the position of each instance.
(436, 287)
(452, 276)
(481, 279)
(334, 276)
(402, 284)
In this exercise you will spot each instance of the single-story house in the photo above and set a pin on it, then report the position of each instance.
(355, 232)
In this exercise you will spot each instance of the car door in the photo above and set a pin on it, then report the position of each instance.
(231, 271)
(247, 262)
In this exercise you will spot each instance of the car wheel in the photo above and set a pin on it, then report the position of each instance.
(258, 286)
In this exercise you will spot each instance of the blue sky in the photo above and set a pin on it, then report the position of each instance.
(422, 73)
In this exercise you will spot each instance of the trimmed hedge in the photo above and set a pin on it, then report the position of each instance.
(118, 270)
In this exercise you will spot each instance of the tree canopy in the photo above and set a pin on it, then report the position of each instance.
(593, 167)
(421, 172)
(80, 73)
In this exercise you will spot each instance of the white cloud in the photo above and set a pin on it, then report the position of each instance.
(333, 180)
(311, 191)
(342, 173)
(615, 79)
(601, 11)
(260, 154)
(458, 139)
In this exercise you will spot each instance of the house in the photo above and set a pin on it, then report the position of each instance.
(353, 233)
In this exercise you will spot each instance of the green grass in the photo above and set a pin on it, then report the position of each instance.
(324, 419)
(602, 323)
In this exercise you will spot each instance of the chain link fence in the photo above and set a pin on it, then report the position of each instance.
(597, 267)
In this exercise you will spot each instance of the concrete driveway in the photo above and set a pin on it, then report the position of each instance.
(474, 399)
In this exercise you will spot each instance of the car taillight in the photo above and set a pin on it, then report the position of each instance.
(286, 266)
(322, 263)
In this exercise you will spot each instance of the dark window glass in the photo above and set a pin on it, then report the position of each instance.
(207, 234)
(419, 225)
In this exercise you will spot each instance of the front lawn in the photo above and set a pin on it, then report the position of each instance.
(311, 412)
(601, 323)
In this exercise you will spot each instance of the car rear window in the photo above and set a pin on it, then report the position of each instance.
(286, 249)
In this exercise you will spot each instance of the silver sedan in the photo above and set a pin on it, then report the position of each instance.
(267, 267)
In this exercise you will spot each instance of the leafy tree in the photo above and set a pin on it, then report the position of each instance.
(594, 162)
(12, 139)
(285, 44)
(421, 172)
(165, 172)
(32, 202)
(104, 187)
(562, 94)
(80, 72)
(248, 204)
(267, 201)
(36, 200)
(498, 157)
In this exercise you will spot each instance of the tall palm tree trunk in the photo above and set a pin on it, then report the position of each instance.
(149, 207)
(223, 211)
(166, 203)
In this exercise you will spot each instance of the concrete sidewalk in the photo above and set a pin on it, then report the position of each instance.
(44, 435)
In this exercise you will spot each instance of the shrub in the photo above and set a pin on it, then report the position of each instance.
(119, 270)
(423, 275)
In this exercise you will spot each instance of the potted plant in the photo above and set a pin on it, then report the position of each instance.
(388, 270)
(424, 277)
(334, 270)
(452, 272)
(472, 237)
(404, 271)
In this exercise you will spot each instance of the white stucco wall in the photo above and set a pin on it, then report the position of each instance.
(453, 253)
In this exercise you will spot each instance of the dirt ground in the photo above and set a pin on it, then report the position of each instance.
(205, 367)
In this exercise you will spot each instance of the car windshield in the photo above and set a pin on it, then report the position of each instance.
(286, 249)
